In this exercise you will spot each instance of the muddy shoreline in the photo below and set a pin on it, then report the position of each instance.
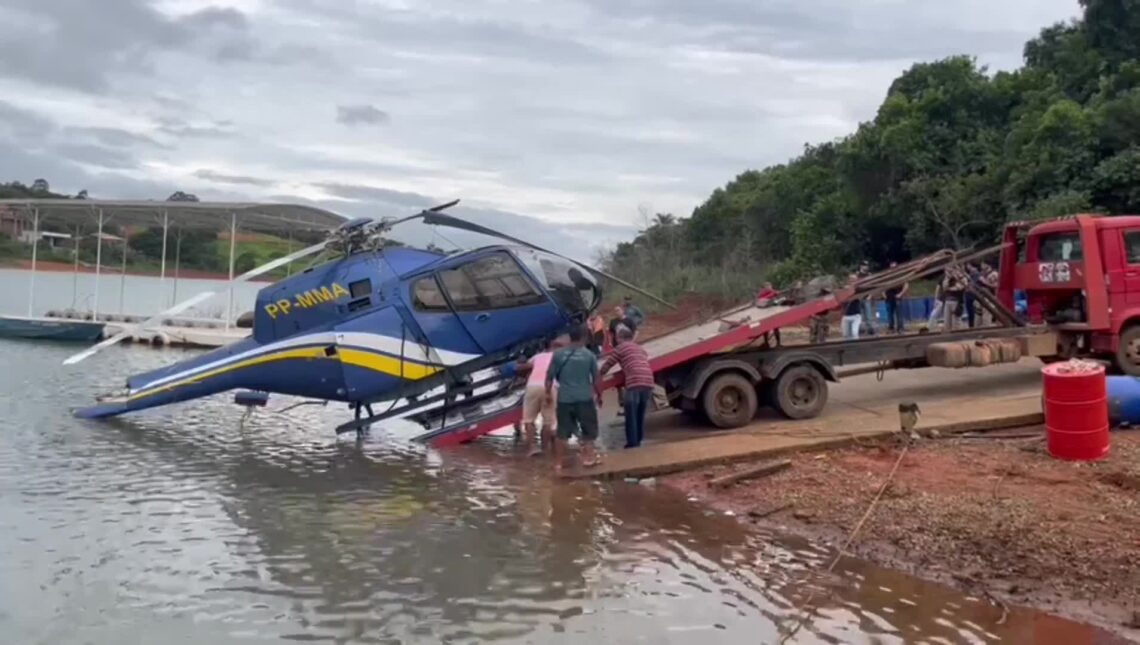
(995, 518)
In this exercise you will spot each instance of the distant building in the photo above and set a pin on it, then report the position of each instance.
(47, 239)
(11, 224)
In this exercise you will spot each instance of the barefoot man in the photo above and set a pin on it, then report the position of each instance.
(575, 369)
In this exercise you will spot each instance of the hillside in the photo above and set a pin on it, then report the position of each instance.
(199, 253)
(952, 153)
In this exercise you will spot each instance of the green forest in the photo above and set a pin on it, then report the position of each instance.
(953, 153)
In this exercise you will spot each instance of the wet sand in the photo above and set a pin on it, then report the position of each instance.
(999, 518)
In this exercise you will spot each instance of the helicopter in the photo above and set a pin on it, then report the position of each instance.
(378, 323)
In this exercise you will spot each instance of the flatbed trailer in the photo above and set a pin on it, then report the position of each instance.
(726, 366)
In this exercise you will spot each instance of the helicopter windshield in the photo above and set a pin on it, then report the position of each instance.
(571, 286)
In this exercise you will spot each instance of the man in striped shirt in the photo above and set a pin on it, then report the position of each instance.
(638, 383)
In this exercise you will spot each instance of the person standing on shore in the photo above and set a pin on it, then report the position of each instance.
(852, 315)
(893, 296)
(575, 370)
(597, 340)
(633, 313)
(638, 383)
(953, 288)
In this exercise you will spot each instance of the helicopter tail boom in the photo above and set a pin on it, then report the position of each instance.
(316, 365)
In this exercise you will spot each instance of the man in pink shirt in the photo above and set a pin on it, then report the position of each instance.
(536, 401)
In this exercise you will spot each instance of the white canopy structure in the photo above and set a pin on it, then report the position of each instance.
(285, 220)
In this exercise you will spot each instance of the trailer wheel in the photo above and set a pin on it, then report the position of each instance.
(1128, 351)
(801, 392)
(729, 400)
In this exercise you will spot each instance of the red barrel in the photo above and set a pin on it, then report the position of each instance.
(1076, 411)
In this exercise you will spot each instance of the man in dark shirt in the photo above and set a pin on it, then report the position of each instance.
(852, 315)
(953, 287)
(892, 297)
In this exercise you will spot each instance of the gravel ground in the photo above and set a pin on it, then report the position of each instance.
(996, 517)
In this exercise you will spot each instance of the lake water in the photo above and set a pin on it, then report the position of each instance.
(181, 526)
(116, 294)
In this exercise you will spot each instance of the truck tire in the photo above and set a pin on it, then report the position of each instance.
(729, 400)
(801, 392)
(1128, 350)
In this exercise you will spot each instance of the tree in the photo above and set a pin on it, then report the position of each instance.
(41, 186)
(1113, 28)
(81, 194)
(245, 262)
(179, 196)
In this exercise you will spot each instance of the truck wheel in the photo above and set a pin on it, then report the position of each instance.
(801, 392)
(729, 400)
(1128, 351)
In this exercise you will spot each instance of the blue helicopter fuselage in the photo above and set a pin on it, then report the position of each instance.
(380, 325)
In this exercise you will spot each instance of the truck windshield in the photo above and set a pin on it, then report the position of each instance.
(1060, 247)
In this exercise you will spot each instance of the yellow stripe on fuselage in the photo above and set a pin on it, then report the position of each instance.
(386, 364)
(389, 365)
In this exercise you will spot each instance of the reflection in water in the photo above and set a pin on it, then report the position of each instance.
(174, 526)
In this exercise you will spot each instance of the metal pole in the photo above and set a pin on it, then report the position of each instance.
(233, 240)
(75, 272)
(162, 268)
(123, 276)
(35, 245)
(98, 267)
(177, 263)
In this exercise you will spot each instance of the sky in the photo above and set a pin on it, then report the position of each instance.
(565, 122)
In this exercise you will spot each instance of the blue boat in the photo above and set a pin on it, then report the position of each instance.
(41, 328)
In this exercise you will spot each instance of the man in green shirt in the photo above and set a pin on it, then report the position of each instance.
(579, 387)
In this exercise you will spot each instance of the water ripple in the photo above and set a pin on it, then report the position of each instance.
(177, 525)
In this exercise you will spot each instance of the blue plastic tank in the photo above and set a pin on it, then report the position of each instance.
(1123, 400)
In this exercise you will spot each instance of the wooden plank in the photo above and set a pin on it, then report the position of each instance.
(986, 425)
(763, 470)
(743, 445)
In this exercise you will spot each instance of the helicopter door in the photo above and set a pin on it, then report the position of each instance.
(498, 303)
(441, 327)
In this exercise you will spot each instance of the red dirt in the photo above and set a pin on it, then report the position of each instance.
(64, 267)
(989, 516)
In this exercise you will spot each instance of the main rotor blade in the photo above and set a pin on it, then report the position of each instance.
(440, 219)
(191, 302)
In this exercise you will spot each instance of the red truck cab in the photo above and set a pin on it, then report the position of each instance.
(1080, 275)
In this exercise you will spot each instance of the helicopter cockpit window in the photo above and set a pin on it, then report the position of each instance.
(568, 285)
(426, 295)
(491, 282)
(460, 289)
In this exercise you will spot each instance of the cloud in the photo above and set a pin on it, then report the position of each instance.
(83, 45)
(553, 120)
(360, 115)
(111, 137)
(372, 193)
(223, 178)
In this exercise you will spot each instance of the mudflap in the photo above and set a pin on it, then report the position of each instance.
(468, 421)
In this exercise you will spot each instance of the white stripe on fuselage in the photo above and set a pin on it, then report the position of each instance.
(379, 342)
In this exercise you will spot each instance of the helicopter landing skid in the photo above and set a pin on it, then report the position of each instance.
(448, 399)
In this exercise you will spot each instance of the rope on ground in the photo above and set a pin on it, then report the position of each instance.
(806, 614)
